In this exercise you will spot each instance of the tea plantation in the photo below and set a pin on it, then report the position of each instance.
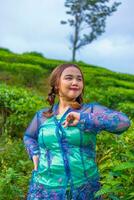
(23, 91)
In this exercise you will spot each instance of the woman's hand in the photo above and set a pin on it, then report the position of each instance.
(35, 161)
(72, 119)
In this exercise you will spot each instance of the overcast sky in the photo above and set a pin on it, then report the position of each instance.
(34, 25)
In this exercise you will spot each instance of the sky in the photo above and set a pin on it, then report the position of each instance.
(34, 25)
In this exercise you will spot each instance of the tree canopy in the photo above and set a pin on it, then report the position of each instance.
(88, 20)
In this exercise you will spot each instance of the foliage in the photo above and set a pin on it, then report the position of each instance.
(88, 18)
(127, 107)
(2, 49)
(34, 53)
(16, 107)
(15, 169)
(28, 59)
(116, 165)
(27, 74)
(105, 82)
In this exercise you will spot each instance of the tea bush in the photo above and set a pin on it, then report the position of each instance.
(15, 169)
(28, 75)
(17, 106)
(28, 59)
(116, 164)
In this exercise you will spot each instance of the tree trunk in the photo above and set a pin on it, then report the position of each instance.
(76, 33)
(73, 53)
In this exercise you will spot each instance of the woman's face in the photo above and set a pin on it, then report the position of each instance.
(71, 83)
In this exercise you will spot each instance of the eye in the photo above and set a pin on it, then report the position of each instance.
(68, 78)
(79, 79)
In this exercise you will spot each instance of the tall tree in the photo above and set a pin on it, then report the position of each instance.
(88, 19)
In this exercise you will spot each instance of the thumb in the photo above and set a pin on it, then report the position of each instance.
(68, 119)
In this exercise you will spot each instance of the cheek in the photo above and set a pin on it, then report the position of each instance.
(63, 86)
(81, 86)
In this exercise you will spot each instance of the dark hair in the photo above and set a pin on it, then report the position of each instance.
(54, 83)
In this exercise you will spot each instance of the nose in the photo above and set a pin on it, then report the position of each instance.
(74, 82)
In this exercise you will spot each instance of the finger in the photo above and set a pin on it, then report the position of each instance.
(65, 124)
(70, 117)
(74, 123)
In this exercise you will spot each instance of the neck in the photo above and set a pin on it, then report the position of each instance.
(64, 105)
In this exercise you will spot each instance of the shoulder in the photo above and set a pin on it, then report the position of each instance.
(89, 105)
(40, 112)
(93, 107)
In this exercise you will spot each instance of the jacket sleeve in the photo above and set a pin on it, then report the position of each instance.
(102, 118)
(31, 136)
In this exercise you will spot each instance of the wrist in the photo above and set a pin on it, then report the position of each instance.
(83, 117)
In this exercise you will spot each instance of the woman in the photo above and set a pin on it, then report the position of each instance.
(61, 140)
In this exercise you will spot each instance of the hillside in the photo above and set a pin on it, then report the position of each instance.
(31, 71)
(23, 91)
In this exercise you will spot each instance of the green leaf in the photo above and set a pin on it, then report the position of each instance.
(123, 166)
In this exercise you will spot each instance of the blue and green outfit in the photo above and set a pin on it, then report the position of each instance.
(67, 159)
